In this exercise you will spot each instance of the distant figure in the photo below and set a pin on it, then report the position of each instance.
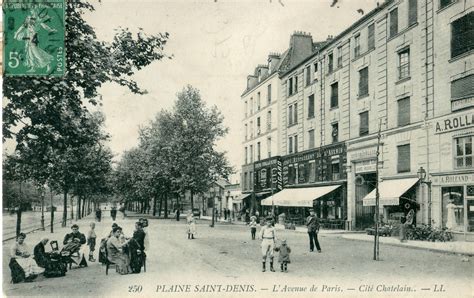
(312, 223)
(113, 213)
(253, 227)
(225, 214)
(178, 214)
(191, 221)
(122, 209)
(284, 256)
(403, 233)
(98, 214)
(91, 241)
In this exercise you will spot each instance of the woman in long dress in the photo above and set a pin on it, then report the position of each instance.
(117, 252)
(451, 218)
(191, 221)
(21, 260)
(35, 57)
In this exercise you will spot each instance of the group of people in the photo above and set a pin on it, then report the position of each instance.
(128, 254)
(269, 240)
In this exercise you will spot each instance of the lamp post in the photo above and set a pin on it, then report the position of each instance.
(422, 176)
(42, 206)
(212, 194)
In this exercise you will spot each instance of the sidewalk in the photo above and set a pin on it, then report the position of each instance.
(456, 247)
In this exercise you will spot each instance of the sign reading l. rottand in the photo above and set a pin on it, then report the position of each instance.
(34, 37)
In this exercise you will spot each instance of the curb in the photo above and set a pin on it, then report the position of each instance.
(417, 247)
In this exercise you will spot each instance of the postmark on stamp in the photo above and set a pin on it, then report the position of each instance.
(34, 37)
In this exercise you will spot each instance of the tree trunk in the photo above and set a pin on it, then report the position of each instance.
(161, 204)
(83, 211)
(52, 211)
(192, 200)
(178, 208)
(78, 209)
(166, 205)
(71, 200)
(63, 224)
(154, 206)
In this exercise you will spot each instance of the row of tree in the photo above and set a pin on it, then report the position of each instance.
(59, 141)
(176, 155)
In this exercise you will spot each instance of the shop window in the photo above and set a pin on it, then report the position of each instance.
(412, 12)
(334, 95)
(312, 171)
(301, 173)
(394, 22)
(371, 37)
(404, 64)
(403, 162)
(364, 82)
(462, 35)
(311, 106)
(335, 170)
(404, 111)
(463, 87)
(364, 124)
(291, 174)
(453, 207)
(463, 152)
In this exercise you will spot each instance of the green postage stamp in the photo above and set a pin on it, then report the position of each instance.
(34, 37)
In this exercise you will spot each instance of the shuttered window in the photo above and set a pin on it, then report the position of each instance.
(290, 145)
(334, 95)
(330, 62)
(290, 115)
(269, 94)
(412, 12)
(462, 88)
(462, 35)
(295, 110)
(364, 82)
(296, 143)
(394, 22)
(311, 138)
(269, 120)
(308, 75)
(371, 37)
(404, 111)
(403, 164)
(311, 106)
(290, 86)
(364, 124)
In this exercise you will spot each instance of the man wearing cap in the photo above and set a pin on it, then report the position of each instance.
(72, 244)
(312, 223)
(268, 236)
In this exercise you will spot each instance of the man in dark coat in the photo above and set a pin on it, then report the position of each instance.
(137, 248)
(98, 214)
(72, 244)
(312, 223)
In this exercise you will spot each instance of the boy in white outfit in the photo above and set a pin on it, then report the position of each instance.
(268, 236)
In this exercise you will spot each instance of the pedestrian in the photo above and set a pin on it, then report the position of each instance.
(177, 214)
(113, 213)
(312, 223)
(191, 221)
(98, 214)
(91, 241)
(284, 256)
(225, 214)
(253, 228)
(257, 214)
(403, 230)
(268, 236)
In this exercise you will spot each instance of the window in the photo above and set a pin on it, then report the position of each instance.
(463, 87)
(394, 22)
(453, 202)
(315, 67)
(246, 108)
(371, 37)
(246, 131)
(463, 153)
(334, 95)
(290, 145)
(404, 64)
(258, 101)
(308, 75)
(311, 138)
(312, 171)
(258, 126)
(269, 120)
(290, 115)
(444, 3)
(335, 132)
(269, 147)
(404, 111)
(462, 35)
(295, 138)
(403, 164)
(357, 46)
(251, 105)
(335, 170)
(364, 124)
(251, 129)
(364, 82)
(290, 86)
(412, 12)
(251, 153)
(246, 155)
(311, 106)
(330, 62)
(295, 111)
(269, 94)
(339, 56)
(296, 84)
(291, 174)
(258, 151)
(251, 180)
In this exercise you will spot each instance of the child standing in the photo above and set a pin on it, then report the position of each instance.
(268, 236)
(253, 227)
(284, 257)
(91, 237)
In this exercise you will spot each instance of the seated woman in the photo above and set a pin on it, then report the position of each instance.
(116, 251)
(22, 265)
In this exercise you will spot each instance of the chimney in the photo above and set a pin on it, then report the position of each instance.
(261, 71)
(330, 37)
(301, 45)
(273, 59)
(251, 81)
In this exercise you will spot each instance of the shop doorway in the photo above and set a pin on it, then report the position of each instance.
(364, 215)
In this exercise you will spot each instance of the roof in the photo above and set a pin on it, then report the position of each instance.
(222, 182)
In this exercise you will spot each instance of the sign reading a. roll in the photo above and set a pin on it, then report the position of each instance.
(34, 37)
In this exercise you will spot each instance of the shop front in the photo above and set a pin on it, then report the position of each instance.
(268, 180)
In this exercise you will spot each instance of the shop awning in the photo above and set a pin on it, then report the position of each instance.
(240, 198)
(298, 197)
(390, 191)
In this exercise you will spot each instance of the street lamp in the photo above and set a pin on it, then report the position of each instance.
(212, 194)
(422, 176)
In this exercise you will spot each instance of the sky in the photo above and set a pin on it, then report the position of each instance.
(215, 44)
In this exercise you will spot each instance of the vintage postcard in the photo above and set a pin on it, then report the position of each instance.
(238, 148)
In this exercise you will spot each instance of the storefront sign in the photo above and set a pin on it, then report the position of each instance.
(364, 154)
(453, 179)
(460, 104)
(454, 123)
(365, 166)
(268, 174)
